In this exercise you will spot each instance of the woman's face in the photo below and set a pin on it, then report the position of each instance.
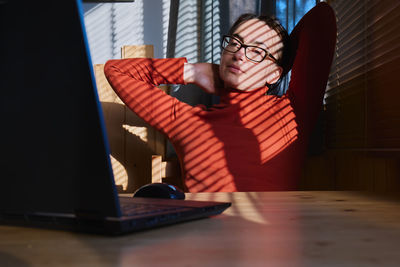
(239, 72)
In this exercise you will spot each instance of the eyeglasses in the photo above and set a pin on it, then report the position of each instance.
(253, 53)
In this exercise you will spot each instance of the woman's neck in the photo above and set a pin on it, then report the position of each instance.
(234, 96)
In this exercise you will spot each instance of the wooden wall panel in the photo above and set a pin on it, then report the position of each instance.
(393, 175)
(318, 173)
(352, 170)
(362, 101)
(365, 177)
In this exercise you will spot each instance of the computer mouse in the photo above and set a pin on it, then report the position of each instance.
(160, 190)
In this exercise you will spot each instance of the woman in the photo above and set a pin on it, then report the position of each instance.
(251, 140)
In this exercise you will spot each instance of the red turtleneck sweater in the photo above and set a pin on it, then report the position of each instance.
(250, 141)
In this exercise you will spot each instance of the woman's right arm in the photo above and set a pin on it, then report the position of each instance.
(204, 75)
(135, 81)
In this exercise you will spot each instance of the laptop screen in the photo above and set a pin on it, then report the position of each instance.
(55, 156)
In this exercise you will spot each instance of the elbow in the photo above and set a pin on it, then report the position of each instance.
(325, 10)
(322, 23)
(109, 67)
(327, 17)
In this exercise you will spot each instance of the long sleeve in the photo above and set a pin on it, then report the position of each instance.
(313, 42)
(135, 81)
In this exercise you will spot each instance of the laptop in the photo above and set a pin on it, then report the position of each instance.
(55, 165)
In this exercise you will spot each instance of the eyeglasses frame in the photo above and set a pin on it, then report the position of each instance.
(267, 53)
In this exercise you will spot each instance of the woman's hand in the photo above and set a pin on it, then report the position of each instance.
(204, 75)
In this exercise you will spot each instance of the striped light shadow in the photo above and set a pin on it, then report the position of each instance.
(258, 33)
(109, 26)
(203, 151)
(120, 174)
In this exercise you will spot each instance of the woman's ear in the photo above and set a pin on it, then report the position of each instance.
(274, 76)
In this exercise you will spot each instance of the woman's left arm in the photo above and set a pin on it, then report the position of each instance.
(313, 42)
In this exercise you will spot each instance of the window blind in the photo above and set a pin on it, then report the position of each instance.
(363, 90)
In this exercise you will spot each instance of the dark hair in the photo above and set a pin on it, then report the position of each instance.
(284, 61)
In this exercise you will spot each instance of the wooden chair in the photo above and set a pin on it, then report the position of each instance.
(137, 149)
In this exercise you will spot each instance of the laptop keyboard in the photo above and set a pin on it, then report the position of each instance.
(130, 209)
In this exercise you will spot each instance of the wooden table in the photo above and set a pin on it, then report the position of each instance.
(260, 229)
